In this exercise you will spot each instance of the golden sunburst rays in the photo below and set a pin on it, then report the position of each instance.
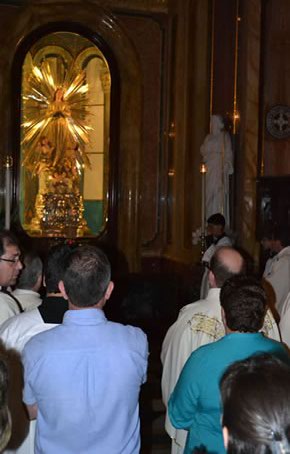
(56, 111)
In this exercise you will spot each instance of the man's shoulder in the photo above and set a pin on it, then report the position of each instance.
(6, 299)
(205, 308)
(54, 338)
(8, 307)
(21, 291)
(129, 330)
(42, 339)
(225, 241)
(274, 347)
(21, 319)
(285, 252)
(282, 257)
(210, 350)
(18, 330)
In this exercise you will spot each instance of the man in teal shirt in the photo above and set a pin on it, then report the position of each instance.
(195, 402)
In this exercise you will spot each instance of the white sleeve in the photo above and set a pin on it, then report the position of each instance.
(285, 322)
(279, 278)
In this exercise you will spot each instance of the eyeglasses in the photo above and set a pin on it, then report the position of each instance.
(15, 260)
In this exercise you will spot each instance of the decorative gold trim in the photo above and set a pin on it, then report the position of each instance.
(210, 326)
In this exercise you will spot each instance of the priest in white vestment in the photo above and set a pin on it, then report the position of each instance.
(277, 271)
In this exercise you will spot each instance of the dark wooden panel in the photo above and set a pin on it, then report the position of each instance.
(273, 203)
(276, 75)
(224, 56)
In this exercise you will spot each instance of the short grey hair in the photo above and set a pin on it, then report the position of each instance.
(32, 269)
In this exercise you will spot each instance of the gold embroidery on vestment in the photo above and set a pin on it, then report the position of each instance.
(208, 325)
(268, 324)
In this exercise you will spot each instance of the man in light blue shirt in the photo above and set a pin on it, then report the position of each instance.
(195, 402)
(82, 378)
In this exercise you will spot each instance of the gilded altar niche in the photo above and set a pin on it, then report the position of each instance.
(65, 115)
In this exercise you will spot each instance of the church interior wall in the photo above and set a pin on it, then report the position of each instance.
(263, 164)
(275, 91)
(181, 62)
(247, 156)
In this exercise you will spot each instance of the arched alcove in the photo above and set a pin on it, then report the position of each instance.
(64, 137)
(41, 18)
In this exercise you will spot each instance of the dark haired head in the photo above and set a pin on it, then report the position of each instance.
(256, 401)
(268, 232)
(243, 300)
(282, 233)
(87, 276)
(225, 263)
(217, 219)
(7, 238)
(54, 268)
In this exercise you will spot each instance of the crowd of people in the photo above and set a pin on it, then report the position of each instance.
(82, 373)
(238, 316)
(226, 371)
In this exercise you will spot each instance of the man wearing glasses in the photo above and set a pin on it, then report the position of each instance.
(10, 267)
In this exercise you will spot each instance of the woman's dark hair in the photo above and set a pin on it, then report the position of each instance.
(256, 406)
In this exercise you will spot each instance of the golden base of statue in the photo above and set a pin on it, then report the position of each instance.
(59, 215)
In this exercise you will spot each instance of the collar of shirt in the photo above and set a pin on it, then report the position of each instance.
(283, 252)
(245, 335)
(216, 239)
(213, 294)
(22, 291)
(89, 316)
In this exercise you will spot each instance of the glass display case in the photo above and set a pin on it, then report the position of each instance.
(65, 118)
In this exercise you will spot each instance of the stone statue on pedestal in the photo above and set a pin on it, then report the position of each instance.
(217, 154)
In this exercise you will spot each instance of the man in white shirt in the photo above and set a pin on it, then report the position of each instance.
(10, 267)
(18, 330)
(198, 324)
(277, 271)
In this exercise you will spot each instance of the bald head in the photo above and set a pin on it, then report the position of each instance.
(225, 263)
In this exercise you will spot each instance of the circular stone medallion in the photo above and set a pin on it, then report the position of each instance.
(278, 122)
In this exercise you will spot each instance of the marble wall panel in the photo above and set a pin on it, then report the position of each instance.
(247, 157)
(149, 35)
